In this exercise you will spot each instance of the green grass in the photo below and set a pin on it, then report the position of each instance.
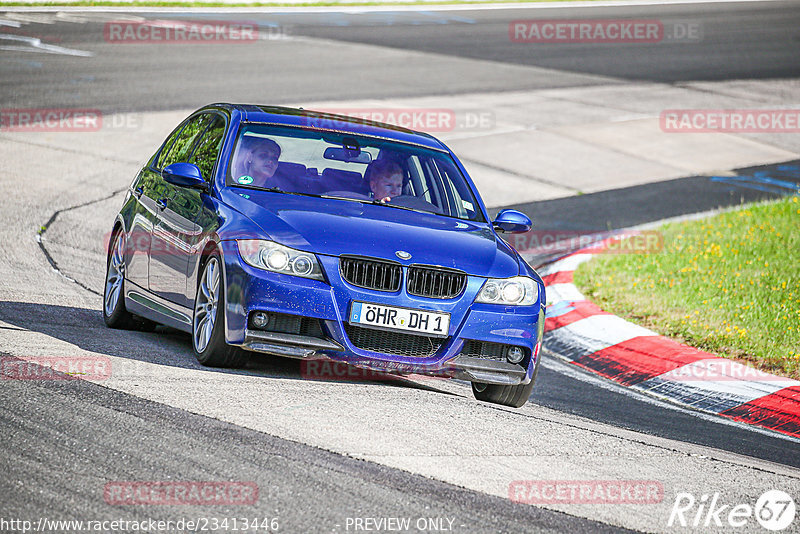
(729, 285)
(178, 3)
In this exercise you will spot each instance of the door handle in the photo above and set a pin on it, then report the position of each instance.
(138, 192)
(162, 203)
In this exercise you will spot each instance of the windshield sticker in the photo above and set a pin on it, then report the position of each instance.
(245, 180)
(467, 205)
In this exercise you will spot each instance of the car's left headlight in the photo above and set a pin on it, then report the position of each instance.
(277, 258)
(516, 291)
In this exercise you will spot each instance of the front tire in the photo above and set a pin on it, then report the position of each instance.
(514, 396)
(208, 321)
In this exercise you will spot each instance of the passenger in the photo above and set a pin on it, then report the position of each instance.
(385, 178)
(258, 161)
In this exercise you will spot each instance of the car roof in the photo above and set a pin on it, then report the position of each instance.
(308, 118)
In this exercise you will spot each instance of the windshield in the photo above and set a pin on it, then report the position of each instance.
(351, 167)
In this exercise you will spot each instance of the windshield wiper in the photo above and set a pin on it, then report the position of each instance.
(379, 203)
(333, 197)
(279, 190)
(374, 201)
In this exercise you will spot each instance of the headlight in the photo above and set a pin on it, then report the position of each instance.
(273, 257)
(517, 291)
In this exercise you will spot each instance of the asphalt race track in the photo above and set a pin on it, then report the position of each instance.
(324, 453)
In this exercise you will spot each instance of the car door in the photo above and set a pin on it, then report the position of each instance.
(206, 157)
(174, 229)
(144, 214)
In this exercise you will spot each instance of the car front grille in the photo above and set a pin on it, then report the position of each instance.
(395, 343)
(433, 282)
(485, 350)
(371, 274)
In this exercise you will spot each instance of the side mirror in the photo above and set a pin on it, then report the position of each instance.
(512, 222)
(184, 175)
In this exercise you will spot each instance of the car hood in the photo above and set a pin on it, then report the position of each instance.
(337, 227)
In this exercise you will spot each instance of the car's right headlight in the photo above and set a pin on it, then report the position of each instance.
(277, 258)
(516, 291)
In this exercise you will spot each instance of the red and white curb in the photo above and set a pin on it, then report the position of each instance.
(583, 334)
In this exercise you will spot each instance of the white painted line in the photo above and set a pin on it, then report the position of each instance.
(36, 45)
(36, 18)
(12, 23)
(599, 332)
(562, 292)
(378, 8)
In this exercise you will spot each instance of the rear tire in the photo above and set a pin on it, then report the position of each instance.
(208, 321)
(514, 396)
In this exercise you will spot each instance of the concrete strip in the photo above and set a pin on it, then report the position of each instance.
(643, 100)
(690, 153)
(501, 188)
(579, 165)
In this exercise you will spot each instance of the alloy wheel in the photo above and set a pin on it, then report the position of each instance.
(205, 308)
(115, 275)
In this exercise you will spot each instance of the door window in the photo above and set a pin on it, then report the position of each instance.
(167, 146)
(205, 155)
(182, 148)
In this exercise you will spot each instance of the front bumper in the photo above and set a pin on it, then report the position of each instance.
(249, 289)
(289, 345)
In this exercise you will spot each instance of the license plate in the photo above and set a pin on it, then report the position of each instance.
(390, 317)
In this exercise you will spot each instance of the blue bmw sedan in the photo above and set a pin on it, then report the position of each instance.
(308, 235)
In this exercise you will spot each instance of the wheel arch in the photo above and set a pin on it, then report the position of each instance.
(118, 227)
(211, 245)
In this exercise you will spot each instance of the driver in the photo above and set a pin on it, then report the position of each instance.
(385, 179)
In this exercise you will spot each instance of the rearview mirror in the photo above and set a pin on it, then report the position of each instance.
(347, 154)
(184, 175)
(512, 222)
